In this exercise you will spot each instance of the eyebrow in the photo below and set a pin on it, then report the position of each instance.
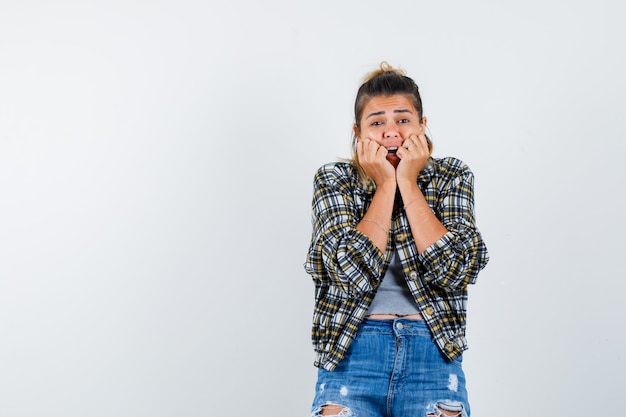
(378, 113)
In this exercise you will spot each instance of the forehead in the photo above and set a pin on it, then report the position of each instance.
(387, 104)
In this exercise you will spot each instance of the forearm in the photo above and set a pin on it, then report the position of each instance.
(425, 226)
(377, 220)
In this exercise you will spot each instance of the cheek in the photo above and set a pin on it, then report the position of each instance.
(373, 134)
(411, 130)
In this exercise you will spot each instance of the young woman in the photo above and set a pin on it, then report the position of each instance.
(393, 250)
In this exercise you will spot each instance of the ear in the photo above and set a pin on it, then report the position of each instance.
(354, 129)
(423, 123)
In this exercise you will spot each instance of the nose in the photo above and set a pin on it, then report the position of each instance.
(391, 131)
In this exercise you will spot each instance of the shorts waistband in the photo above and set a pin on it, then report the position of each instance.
(398, 326)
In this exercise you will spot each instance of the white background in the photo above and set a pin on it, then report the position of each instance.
(156, 165)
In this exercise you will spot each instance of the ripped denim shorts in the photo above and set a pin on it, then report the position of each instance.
(392, 369)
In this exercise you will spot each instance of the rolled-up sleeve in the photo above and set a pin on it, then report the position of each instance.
(339, 254)
(454, 261)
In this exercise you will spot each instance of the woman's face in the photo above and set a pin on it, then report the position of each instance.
(389, 121)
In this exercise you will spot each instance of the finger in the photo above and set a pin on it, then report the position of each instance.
(373, 146)
(419, 141)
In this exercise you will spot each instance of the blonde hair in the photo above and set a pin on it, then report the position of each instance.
(383, 67)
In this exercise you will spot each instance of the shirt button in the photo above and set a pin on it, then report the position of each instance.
(429, 311)
(413, 275)
(449, 347)
(400, 238)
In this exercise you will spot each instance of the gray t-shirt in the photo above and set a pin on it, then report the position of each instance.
(393, 295)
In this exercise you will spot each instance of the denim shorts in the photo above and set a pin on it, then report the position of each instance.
(393, 369)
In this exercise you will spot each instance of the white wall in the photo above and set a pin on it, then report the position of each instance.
(156, 164)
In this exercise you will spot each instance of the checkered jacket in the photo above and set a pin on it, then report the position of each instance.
(346, 267)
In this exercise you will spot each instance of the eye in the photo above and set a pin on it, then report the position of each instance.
(376, 123)
(404, 121)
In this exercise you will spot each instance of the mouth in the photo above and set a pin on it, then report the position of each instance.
(392, 150)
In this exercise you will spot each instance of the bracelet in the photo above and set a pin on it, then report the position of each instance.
(376, 223)
(410, 202)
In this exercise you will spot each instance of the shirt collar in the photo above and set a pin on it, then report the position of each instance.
(428, 172)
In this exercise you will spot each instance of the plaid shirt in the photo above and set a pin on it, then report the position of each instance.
(347, 267)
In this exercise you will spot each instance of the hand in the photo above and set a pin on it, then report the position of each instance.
(373, 160)
(413, 155)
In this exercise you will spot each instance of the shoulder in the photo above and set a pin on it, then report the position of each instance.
(341, 176)
(450, 167)
(339, 171)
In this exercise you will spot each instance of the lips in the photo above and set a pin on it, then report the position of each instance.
(392, 150)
